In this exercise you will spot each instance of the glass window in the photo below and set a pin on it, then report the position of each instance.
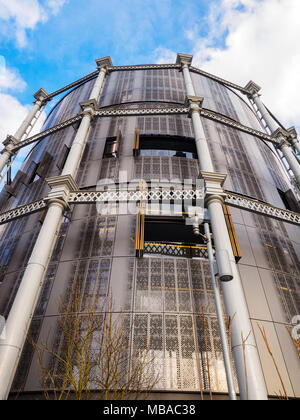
(168, 146)
(110, 147)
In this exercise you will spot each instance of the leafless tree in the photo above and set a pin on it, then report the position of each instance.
(96, 359)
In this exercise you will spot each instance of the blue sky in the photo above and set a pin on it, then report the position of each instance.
(50, 43)
(65, 46)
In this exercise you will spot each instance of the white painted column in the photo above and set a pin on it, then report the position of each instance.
(296, 144)
(283, 146)
(288, 153)
(271, 123)
(74, 158)
(293, 138)
(7, 152)
(40, 97)
(205, 162)
(26, 299)
(12, 141)
(234, 299)
(236, 307)
(21, 313)
(78, 145)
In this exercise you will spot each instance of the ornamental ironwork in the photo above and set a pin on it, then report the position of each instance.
(156, 195)
(175, 250)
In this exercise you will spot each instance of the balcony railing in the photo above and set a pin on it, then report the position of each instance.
(175, 250)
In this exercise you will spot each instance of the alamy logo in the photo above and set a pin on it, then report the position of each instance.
(2, 328)
(296, 328)
(155, 196)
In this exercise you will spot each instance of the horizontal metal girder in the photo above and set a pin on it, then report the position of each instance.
(91, 197)
(113, 112)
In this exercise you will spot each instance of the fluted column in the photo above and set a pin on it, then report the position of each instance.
(234, 299)
(283, 146)
(24, 305)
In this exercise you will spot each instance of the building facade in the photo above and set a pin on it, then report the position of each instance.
(160, 127)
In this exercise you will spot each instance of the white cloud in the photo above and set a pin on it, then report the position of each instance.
(55, 5)
(11, 110)
(163, 55)
(9, 78)
(12, 114)
(24, 15)
(260, 42)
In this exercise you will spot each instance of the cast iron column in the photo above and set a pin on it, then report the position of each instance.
(234, 299)
(283, 146)
(24, 305)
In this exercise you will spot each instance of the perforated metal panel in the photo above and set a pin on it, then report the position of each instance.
(165, 168)
(171, 294)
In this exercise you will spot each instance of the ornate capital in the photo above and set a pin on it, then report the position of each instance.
(10, 140)
(194, 103)
(184, 59)
(282, 137)
(89, 107)
(41, 95)
(252, 87)
(104, 63)
(61, 187)
(214, 186)
(292, 135)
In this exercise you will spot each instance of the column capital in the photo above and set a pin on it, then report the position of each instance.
(10, 141)
(252, 87)
(89, 107)
(9, 144)
(61, 186)
(292, 136)
(41, 95)
(194, 103)
(292, 132)
(282, 137)
(184, 60)
(104, 63)
(214, 186)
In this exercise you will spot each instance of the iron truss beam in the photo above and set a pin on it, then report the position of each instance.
(211, 115)
(146, 67)
(156, 195)
(22, 211)
(91, 76)
(48, 132)
(112, 112)
(71, 85)
(259, 207)
(220, 80)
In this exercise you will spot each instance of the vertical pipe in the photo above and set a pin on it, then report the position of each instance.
(218, 302)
